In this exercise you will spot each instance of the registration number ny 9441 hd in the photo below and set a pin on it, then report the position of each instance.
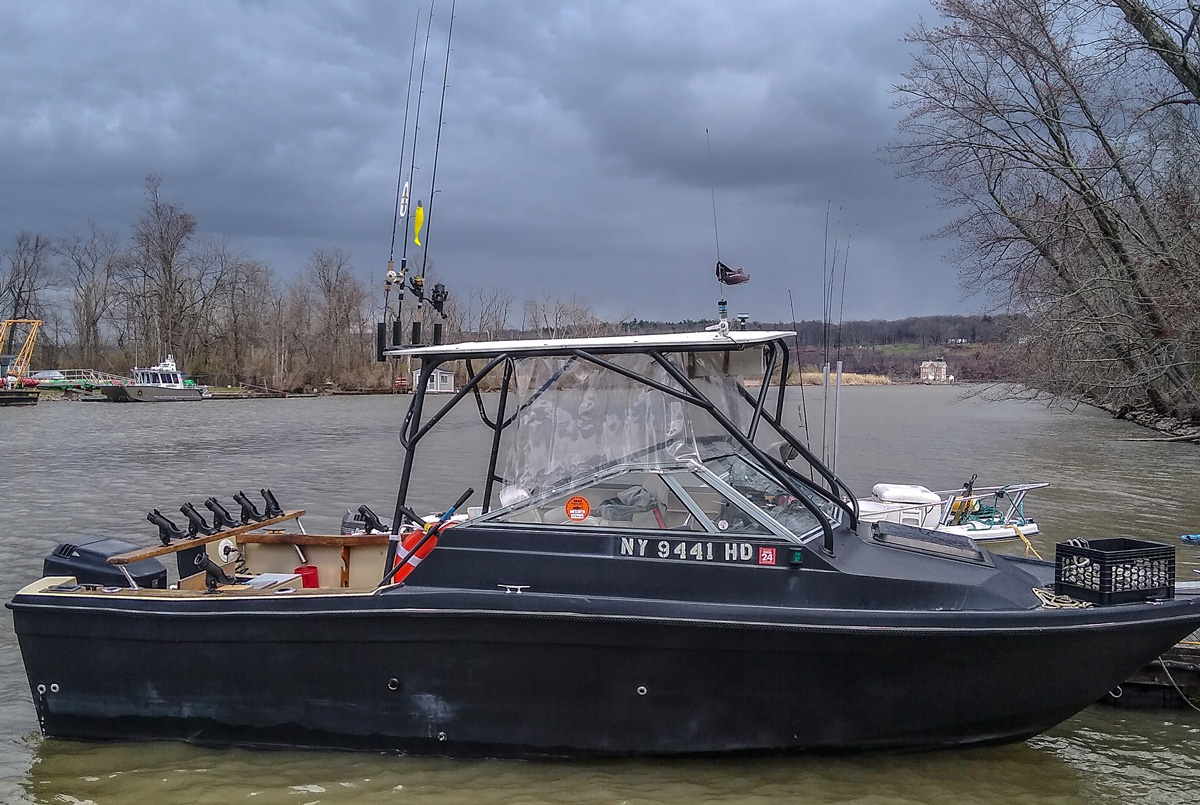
(742, 553)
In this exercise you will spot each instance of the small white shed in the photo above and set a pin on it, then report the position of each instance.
(441, 381)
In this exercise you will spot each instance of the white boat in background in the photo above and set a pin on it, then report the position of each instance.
(161, 383)
(985, 514)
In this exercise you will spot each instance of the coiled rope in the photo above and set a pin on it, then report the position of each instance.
(1051, 601)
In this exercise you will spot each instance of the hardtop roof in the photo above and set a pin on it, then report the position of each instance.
(670, 342)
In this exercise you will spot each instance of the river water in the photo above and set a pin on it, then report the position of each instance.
(70, 469)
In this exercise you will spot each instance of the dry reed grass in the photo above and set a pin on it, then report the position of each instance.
(848, 379)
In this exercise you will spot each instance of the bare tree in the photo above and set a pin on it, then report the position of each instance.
(1038, 137)
(25, 275)
(299, 337)
(1169, 32)
(89, 262)
(558, 317)
(494, 311)
(154, 278)
(342, 341)
(234, 302)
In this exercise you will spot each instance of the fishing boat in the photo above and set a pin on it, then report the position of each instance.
(647, 563)
(163, 382)
(982, 513)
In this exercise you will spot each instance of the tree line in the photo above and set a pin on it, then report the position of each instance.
(111, 303)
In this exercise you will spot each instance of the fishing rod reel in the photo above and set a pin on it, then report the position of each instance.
(393, 276)
(438, 298)
(416, 286)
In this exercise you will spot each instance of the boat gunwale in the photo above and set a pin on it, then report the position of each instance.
(1182, 609)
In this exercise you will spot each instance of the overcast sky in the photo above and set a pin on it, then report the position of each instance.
(572, 158)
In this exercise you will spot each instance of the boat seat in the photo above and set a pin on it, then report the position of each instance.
(670, 518)
(527, 516)
(647, 520)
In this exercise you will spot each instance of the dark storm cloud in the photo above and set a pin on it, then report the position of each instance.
(573, 157)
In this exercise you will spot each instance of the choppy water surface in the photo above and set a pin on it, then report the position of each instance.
(68, 469)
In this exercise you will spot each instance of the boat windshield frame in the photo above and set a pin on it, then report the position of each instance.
(667, 472)
(765, 409)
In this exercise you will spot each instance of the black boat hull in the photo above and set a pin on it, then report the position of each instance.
(397, 672)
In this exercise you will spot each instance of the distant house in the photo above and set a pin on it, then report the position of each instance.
(441, 381)
(935, 372)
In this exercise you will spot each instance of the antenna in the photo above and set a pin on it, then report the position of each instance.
(722, 324)
(712, 183)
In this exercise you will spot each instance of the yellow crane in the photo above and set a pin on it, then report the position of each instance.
(19, 367)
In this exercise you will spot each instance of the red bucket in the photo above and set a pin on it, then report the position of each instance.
(308, 575)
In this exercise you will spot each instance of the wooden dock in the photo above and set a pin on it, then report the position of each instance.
(1172, 681)
(14, 397)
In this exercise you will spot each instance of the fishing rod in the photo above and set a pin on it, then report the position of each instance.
(825, 289)
(401, 209)
(438, 295)
(842, 302)
(826, 314)
(837, 391)
(419, 213)
(800, 365)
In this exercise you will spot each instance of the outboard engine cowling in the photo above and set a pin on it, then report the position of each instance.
(87, 561)
(354, 522)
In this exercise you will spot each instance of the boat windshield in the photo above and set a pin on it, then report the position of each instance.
(676, 498)
(768, 494)
(574, 418)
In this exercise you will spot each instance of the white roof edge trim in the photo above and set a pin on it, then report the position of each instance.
(734, 339)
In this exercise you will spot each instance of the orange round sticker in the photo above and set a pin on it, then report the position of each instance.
(578, 508)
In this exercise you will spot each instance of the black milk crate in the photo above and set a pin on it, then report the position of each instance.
(1117, 570)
